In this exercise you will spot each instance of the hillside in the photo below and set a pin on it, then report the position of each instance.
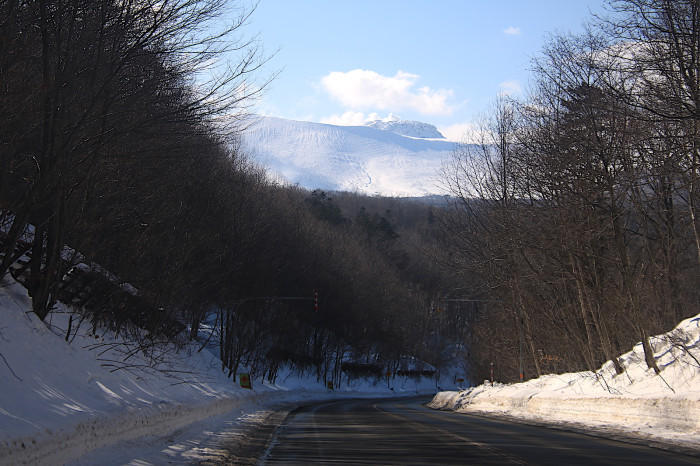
(385, 157)
(101, 398)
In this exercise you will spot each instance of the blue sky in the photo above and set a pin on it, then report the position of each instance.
(441, 62)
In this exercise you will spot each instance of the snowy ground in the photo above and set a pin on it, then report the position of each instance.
(661, 408)
(78, 402)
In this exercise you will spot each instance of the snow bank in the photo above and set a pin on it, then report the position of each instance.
(665, 406)
(95, 393)
(60, 399)
(68, 444)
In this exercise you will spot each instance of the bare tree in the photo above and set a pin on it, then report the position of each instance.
(100, 65)
(655, 49)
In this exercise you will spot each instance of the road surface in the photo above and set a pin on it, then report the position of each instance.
(404, 432)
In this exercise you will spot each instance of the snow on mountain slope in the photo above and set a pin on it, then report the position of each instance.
(413, 129)
(351, 158)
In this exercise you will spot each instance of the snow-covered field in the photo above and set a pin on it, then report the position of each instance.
(86, 402)
(663, 407)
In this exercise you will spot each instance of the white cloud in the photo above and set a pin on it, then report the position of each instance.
(365, 89)
(467, 132)
(512, 31)
(510, 88)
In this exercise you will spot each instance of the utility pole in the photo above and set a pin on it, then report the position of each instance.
(520, 346)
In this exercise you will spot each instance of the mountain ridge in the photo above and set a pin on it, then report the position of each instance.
(414, 129)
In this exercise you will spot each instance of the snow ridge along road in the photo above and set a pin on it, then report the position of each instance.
(59, 448)
(663, 408)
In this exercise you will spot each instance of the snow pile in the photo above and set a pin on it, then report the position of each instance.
(350, 158)
(97, 392)
(59, 399)
(665, 406)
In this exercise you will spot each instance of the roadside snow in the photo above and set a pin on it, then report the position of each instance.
(81, 401)
(663, 407)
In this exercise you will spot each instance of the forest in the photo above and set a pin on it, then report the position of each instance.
(121, 169)
(576, 208)
(570, 231)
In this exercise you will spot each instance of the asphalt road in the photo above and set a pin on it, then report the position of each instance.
(404, 432)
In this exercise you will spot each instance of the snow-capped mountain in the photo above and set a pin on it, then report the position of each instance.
(413, 129)
(394, 158)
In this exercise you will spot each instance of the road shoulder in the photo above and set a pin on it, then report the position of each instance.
(606, 432)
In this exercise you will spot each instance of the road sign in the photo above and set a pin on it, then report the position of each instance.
(245, 381)
(329, 384)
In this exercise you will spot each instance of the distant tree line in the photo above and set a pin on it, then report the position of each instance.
(577, 208)
(114, 142)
